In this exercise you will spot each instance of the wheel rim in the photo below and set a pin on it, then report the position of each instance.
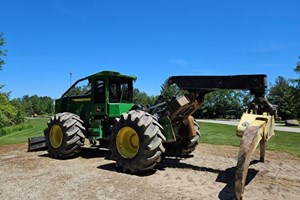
(56, 136)
(128, 142)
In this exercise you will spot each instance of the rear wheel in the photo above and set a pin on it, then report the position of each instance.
(184, 145)
(136, 143)
(64, 135)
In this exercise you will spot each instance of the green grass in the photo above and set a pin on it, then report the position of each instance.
(225, 135)
(285, 142)
(12, 129)
(211, 134)
(36, 128)
(218, 134)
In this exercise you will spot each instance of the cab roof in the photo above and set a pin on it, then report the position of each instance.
(110, 74)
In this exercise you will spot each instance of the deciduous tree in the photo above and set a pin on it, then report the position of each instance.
(142, 98)
(282, 94)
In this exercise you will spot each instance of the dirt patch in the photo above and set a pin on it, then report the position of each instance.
(209, 174)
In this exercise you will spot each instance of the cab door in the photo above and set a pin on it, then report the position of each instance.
(99, 98)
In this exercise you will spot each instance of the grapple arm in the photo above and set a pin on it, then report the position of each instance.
(256, 127)
(204, 84)
(179, 108)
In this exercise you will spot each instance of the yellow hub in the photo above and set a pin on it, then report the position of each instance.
(56, 136)
(128, 142)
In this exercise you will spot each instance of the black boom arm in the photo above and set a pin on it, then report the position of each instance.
(257, 84)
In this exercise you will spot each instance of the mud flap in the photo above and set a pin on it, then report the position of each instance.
(37, 144)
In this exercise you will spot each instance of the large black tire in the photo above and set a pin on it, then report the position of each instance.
(184, 146)
(64, 135)
(136, 143)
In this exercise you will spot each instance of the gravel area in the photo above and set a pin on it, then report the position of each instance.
(209, 174)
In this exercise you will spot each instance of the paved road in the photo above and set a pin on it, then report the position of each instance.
(278, 127)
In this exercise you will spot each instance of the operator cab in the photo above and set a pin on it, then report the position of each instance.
(120, 90)
(105, 93)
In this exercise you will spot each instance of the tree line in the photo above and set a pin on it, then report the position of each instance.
(285, 93)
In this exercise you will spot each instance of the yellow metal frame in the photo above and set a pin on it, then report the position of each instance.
(257, 120)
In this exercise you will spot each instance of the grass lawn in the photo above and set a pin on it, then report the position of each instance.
(211, 134)
(37, 128)
(225, 135)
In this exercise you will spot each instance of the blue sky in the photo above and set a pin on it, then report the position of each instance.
(153, 39)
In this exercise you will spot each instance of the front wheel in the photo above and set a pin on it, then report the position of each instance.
(64, 135)
(136, 143)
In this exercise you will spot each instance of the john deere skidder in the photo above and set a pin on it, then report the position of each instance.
(100, 108)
